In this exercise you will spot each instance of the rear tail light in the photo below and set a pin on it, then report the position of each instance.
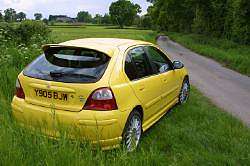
(101, 100)
(19, 90)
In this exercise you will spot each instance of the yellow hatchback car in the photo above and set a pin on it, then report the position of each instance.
(110, 90)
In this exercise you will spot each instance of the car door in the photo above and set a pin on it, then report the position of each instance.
(146, 86)
(163, 67)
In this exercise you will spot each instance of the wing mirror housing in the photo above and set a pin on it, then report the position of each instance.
(178, 65)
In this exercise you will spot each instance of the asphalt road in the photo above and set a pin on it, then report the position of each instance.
(228, 89)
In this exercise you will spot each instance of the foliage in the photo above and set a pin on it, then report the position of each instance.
(241, 21)
(25, 32)
(7, 32)
(10, 15)
(84, 16)
(102, 20)
(97, 19)
(106, 19)
(20, 16)
(220, 18)
(38, 16)
(1, 16)
(46, 21)
(145, 22)
(123, 12)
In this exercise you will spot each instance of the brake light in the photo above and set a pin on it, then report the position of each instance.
(101, 100)
(19, 90)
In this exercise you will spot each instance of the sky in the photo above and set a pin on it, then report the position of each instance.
(65, 7)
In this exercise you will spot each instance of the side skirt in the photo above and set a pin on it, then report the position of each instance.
(150, 122)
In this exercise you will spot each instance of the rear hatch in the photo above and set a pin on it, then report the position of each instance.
(64, 77)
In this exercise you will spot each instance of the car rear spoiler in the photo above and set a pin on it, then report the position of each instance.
(107, 52)
(47, 46)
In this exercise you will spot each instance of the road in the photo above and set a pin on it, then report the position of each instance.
(227, 89)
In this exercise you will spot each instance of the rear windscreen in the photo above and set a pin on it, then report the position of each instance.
(70, 65)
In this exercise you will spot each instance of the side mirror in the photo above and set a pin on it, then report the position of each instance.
(178, 65)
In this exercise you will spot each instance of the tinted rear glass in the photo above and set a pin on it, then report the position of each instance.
(71, 65)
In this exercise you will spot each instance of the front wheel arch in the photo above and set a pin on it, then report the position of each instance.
(186, 77)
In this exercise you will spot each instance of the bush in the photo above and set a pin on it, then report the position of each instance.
(7, 32)
(27, 32)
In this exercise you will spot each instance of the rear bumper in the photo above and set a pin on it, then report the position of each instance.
(99, 127)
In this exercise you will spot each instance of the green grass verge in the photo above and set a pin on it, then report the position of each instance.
(228, 53)
(197, 133)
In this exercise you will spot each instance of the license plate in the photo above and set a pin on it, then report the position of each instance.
(51, 94)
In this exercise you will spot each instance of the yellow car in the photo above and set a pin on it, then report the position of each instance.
(108, 90)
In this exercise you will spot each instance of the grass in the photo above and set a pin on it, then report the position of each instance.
(197, 133)
(63, 34)
(228, 53)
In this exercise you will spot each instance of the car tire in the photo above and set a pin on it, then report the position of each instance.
(132, 132)
(185, 91)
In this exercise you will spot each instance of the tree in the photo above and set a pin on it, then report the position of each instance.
(10, 15)
(97, 19)
(84, 16)
(1, 16)
(217, 18)
(123, 12)
(38, 16)
(46, 21)
(145, 21)
(151, 1)
(241, 22)
(106, 19)
(21, 16)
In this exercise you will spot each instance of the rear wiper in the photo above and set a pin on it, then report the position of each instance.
(57, 74)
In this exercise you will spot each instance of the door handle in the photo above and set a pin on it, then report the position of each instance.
(165, 80)
(141, 88)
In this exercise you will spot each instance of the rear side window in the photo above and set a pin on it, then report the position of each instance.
(136, 64)
(70, 65)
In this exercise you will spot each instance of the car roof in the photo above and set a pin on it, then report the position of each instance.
(105, 45)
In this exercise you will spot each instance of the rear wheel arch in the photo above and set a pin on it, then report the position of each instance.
(140, 110)
(130, 129)
(137, 108)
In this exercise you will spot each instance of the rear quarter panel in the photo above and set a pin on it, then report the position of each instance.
(125, 97)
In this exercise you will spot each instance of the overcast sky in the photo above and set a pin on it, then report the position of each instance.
(66, 7)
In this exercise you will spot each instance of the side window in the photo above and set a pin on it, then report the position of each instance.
(136, 65)
(130, 68)
(159, 61)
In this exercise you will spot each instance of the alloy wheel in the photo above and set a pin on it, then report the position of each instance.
(184, 92)
(133, 133)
